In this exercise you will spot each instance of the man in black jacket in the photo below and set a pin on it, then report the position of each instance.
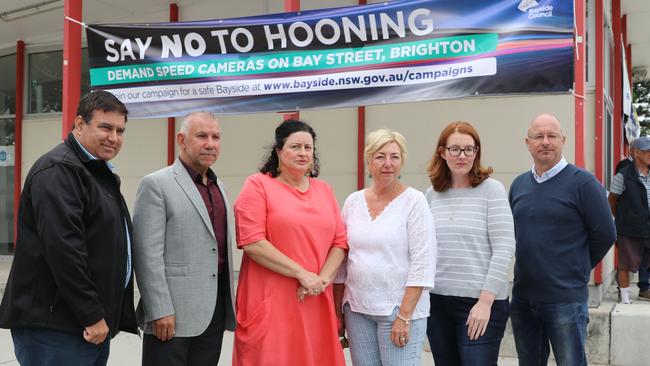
(644, 275)
(70, 288)
(629, 199)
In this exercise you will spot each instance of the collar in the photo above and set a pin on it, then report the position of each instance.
(551, 172)
(195, 176)
(91, 156)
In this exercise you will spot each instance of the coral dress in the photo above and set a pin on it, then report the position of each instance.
(273, 328)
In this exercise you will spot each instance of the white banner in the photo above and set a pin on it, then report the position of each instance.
(627, 90)
(296, 84)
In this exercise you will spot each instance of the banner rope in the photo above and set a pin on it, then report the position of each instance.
(578, 95)
(76, 21)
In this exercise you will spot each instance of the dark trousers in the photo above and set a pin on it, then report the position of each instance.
(202, 350)
(44, 347)
(447, 332)
(563, 325)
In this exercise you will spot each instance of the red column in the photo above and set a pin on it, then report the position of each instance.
(579, 88)
(289, 6)
(600, 92)
(171, 121)
(618, 83)
(71, 63)
(361, 133)
(18, 145)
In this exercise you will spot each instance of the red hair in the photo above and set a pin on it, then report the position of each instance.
(438, 170)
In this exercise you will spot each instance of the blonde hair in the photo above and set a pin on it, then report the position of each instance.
(377, 139)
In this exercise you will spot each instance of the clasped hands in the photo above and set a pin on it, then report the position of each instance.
(311, 284)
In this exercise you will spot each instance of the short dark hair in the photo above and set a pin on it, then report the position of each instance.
(100, 100)
(282, 132)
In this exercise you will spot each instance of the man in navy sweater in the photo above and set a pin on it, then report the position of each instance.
(563, 228)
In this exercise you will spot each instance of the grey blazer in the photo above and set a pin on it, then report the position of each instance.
(174, 253)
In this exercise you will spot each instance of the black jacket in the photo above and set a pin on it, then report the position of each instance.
(69, 266)
(632, 214)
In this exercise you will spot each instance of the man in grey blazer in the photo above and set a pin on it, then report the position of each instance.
(182, 253)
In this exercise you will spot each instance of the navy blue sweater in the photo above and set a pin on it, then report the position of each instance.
(563, 228)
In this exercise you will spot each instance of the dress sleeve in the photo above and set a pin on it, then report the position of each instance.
(422, 245)
(501, 235)
(250, 212)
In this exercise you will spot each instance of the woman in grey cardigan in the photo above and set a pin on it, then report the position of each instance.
(475, 235)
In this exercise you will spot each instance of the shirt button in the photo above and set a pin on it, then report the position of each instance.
(214, 275)
(214, 250)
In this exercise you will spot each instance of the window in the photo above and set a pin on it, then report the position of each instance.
(6, 185)
(46, 81)
(7, 141)
(7, 86)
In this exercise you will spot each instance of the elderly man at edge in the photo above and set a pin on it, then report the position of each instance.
(629, 199)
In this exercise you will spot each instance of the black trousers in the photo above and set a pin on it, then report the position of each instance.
(202, 350)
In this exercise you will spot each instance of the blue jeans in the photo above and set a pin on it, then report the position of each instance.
(564, 325)
(370, 344)
(44, 347)
(447, 332)
(644, 277)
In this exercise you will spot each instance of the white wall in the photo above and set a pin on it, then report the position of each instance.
(144, 150)
(590, 131)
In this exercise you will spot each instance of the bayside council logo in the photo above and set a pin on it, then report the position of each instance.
(534, 10)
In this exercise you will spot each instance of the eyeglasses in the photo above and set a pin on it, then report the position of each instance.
(551, 137)
(455, 151)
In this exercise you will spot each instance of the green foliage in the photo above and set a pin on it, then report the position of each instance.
(641, 98)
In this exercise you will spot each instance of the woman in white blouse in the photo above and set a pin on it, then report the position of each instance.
(475, 237)
(391, 260)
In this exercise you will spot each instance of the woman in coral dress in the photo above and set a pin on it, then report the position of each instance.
(290, 229)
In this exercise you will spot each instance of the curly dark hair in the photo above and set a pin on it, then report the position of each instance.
(100, 100)
(282, 132)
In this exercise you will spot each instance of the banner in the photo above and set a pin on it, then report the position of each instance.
(399, 51)
(627, 87)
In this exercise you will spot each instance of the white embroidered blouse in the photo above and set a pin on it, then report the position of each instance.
(395, 250)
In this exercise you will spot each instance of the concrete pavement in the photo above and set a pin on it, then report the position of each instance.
(126, 351)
